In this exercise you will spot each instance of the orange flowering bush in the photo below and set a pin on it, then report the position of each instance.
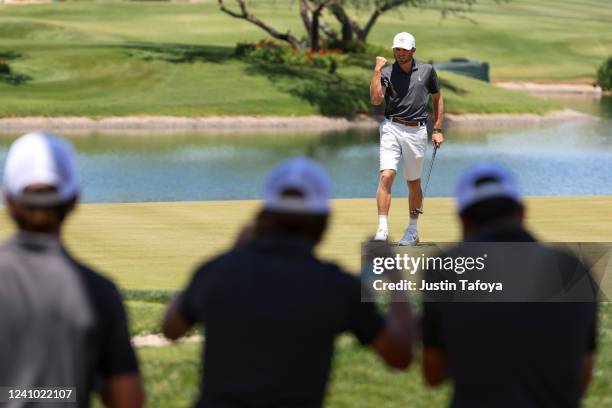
(272, 51)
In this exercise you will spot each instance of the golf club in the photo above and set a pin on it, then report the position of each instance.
(433, 157)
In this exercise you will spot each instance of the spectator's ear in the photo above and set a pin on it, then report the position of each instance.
(467, 226)
(10, 204)
(6, 197)
(72, 203)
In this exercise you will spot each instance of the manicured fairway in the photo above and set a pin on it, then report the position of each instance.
(103, 58)
(522, 39)
(156, 245)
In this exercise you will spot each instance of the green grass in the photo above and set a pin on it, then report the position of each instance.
(171, 374)
(159, 242)
(359, 379)
(144, 317)
(151, 249)
(104, 58)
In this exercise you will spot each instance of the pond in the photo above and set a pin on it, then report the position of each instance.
(564, 159)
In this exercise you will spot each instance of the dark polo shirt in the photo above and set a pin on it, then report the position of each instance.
(515, 354)
(407, 93)
(272, 311)
(61, 324)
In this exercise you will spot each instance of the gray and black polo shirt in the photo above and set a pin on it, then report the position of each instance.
(62, 324)
(407, 93)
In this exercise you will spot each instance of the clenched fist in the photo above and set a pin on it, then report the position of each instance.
(380, 63)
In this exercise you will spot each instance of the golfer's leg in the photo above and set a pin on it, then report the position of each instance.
(390, 154)
(413, 149)
(383, 193)
(415, 197)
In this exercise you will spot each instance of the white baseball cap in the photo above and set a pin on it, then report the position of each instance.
(485, 181)
(301, 175)
(404, 40)
(41, 158)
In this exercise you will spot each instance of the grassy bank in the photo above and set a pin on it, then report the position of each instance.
(359, 379)
(103, 58)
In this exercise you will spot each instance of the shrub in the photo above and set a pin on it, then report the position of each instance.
(270, 51)
(243, 49)
(353, 47)
(5, 69)
(9, 77)
(274, 52)
(604, 75)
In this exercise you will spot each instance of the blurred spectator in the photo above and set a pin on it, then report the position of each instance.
(502, 354)
(62, 324)
(271, 310)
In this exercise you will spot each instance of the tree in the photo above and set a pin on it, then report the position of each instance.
(311, 13)
(604, 75)
(246, 15)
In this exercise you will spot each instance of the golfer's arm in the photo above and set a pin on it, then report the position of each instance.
(377, 91)
(435, 366)
(438, 109)
(174, 325)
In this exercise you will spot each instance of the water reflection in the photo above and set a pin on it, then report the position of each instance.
(567, 159)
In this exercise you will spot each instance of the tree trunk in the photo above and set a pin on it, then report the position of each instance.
(314, 31)
(344, 20)
(351, 28)
(382, 8)
(245, 15)
(305, 14)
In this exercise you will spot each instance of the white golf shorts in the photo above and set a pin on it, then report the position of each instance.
(405, 143)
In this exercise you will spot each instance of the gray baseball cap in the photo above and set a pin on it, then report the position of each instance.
(485, 181)
(298, 174)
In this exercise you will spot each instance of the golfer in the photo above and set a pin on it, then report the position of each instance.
(405, 87)
(63, 326)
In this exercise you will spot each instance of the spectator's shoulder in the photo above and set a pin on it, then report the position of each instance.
(218, 262)
(333, 268)
(98, 286)
(569, 262)
(7, 253)
(339, 275)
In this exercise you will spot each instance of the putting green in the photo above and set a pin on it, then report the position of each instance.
(157, 245)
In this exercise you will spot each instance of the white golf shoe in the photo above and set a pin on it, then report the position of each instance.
(410, 238)
(382, 234)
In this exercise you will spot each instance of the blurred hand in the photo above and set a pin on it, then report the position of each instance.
(380, 63)
(437, 139)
